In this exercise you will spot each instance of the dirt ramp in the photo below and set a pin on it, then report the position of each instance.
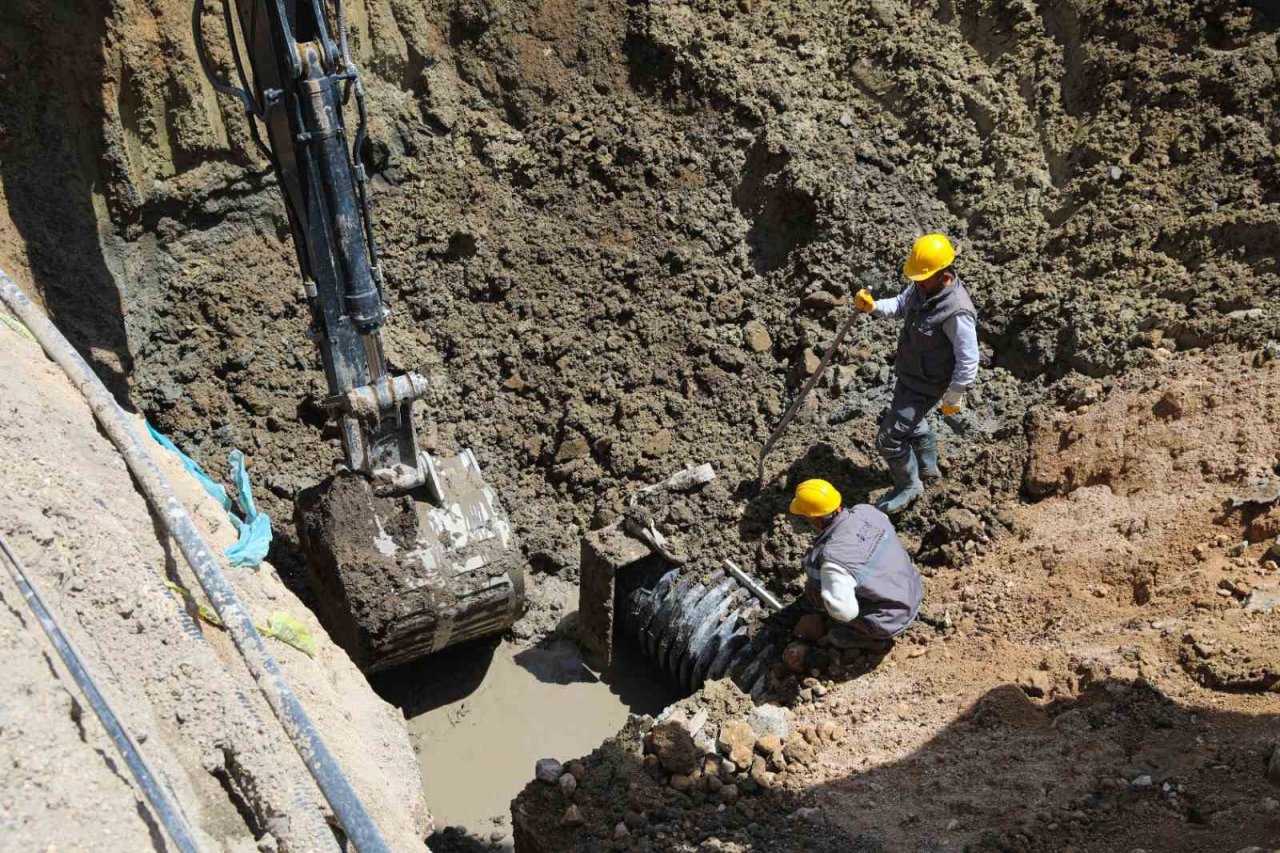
(176, 682)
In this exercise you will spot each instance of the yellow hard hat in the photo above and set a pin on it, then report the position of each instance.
(815, 498)
(930, 253)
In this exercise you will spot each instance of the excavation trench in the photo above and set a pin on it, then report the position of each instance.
(481, 714)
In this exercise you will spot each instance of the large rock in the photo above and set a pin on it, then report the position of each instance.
(673, 744)
(822, 300)
(547, 770)
(760, 773)
(756, 336)
(568, 784)
(798, 751)
(829, 732)
(770, 720)
(767, 745)
(737, 740)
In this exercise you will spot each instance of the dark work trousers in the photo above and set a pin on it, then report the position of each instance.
(843, 635)
(905, 422)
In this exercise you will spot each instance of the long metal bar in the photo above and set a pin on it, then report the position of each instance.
(351, 813)
(757, 588)
(170, 815)
(804, 391)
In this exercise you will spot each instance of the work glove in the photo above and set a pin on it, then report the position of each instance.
(864, 302)
(952, 403)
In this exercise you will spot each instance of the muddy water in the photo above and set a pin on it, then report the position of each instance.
(479, 717)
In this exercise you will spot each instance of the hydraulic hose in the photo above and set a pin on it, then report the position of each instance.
(168, 812)
(337, 790)
(353, 80)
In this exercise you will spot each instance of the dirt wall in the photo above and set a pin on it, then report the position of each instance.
(618, 234)
(613, 231)
(178, 685)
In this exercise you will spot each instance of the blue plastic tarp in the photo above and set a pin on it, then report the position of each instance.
(254, 530)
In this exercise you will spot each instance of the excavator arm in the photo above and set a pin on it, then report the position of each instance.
(300, 79)
(447, 571)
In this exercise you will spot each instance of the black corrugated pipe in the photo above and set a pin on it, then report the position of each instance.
(700, 630)
(337, 790)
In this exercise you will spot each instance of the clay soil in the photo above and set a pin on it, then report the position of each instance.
(618, 234)
(1109, 681)
(104, 567)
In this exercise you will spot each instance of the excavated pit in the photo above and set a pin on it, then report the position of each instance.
(618, 234)
(482, 714)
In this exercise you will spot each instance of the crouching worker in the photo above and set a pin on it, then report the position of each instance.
(857, 570)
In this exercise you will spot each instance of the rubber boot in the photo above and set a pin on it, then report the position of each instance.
(926, 450)
(906, 485)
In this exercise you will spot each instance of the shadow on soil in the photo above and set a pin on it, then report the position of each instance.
(1121, 766)
(49, 162)
(445, 677)
(639, 685)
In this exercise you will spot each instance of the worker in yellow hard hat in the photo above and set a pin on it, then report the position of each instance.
(937, 362)
(857, 570)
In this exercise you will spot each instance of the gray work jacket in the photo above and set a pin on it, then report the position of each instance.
(861, 544)
(926, 359)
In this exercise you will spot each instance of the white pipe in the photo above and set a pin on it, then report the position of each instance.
(757, 589)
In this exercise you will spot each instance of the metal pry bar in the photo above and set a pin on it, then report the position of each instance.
(804, 391)
(757, 588)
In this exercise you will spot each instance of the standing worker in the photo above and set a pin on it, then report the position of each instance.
(937, 361)
(857, 569)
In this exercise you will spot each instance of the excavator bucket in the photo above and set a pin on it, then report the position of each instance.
(406, 554)
(397, 578)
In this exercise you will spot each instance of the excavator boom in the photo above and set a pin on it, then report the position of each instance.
(452, 562)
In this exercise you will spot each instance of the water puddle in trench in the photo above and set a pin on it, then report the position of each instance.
(480, 715)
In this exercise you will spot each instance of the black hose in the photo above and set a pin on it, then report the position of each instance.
(254, 110)
(168, 812)
(197, 12)
(251, 107)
